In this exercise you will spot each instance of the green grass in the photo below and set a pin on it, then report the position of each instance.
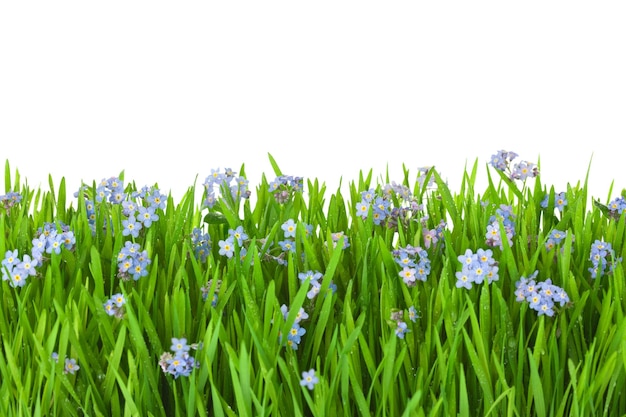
(470, 352)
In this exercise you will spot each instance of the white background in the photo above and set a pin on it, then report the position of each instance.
(168, 90)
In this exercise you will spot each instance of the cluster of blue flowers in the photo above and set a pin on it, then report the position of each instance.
(288, 244)
(414, 262)
(400, 326)
(114, 306)
(138, 215)
(52, 237)
(502, 162)
(132, 262)
(315, 282)
(383, 211)
(179, 362)
(111, 190)
(10, 199)
(381, 207)
(493, 235)
(141, 215)
(406, 209)
(218, 182)
(16, 270)
(237, 237)
(476, 267)
(47, 240)
(598, 256)
(617, 206)
(294, 337)
(201, 244)
(554, 238)
(284, 186)
(206, 289)
(541, 296)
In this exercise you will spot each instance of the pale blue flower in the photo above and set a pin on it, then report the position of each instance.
(147, 215)
(227, 247)
(70, 366)
(289, 228)
(131, 227)
(309, 379)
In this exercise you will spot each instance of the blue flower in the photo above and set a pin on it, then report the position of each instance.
(156, 199)
(289, 228)
(287, 245)
(68, 239)
(464, 279)
(129, 208)
(179, 345)
(468, 258)
(9, 200)
(408, 276)
(54, 243)
(207, 287)
(140, 269)
(336, 236)
(401, 329)
(617, 206)
(221, 181)
(147, 215)
(114, 305)
(11, 258)
(70, 366)
(599, 252)
(476, 267)
(110, 307)
(315, 289)
(542, 296)
(362, 209)
(309, 379)
(523, 170)
(493, 229)
(227, 247)
(201, 242)
(295, 335)
(132, 262)
(415, 263)
(238, 235)
(131, 227)
(313, 275)
(179, 362)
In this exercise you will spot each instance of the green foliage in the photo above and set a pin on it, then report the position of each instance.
(474, 351)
